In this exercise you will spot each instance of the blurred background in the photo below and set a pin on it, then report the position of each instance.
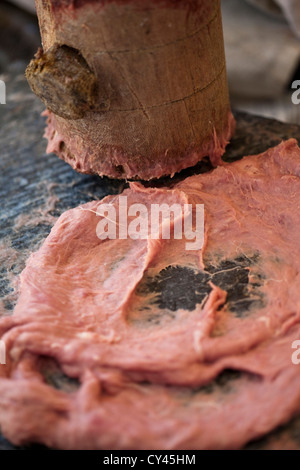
(262, 44)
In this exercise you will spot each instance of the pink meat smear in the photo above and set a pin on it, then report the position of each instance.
(71, 147)
(149, 376)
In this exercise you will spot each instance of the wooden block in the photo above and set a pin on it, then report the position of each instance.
(161, 102)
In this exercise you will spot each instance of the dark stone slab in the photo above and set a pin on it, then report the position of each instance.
(36, 188)
(180, 287)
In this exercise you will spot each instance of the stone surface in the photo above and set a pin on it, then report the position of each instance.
(36, 188)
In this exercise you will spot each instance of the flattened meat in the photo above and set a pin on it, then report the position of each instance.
(164, 348)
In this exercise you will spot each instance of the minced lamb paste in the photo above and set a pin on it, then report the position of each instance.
(142, 344)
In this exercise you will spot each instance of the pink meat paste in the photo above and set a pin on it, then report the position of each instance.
(70, 146)
(158, 384)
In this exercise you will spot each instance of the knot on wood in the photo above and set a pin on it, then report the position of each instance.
(64, 82)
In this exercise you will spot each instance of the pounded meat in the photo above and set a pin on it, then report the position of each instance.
(71, 147)
(170, 349)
